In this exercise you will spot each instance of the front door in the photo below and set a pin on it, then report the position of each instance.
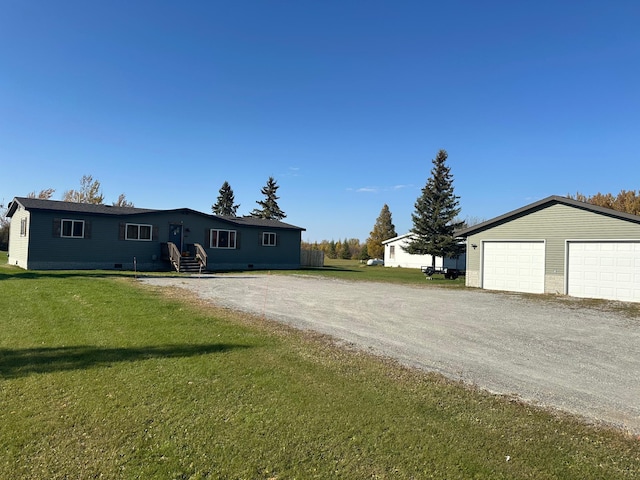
(175, 235)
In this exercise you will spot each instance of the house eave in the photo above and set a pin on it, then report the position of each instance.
(395, 239)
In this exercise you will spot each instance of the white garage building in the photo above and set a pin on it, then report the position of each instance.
(557, 245)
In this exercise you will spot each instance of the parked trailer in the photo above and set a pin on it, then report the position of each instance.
(449, 273)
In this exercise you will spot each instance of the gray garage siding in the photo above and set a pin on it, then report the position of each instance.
(555, 224)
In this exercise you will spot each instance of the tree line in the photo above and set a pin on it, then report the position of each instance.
(347, 249)
(627, 201)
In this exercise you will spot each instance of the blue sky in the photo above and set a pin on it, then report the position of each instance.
(345, 103)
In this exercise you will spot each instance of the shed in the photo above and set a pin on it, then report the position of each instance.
(557, 245)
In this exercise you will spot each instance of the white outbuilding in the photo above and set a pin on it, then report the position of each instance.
(396, 256)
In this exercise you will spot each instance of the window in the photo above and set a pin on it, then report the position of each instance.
(392, 252)
(72, 228)
(23, 227)
(134, 231)
(268, 239)
(223, 238)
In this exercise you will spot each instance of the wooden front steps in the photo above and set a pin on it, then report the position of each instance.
(189, 265)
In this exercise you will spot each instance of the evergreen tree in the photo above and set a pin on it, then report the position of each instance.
(270, 209)
(224, 205)
(333, 252)
(435, 217)
(345, 252)
(4, 227)
(364, 253)
(384, 229)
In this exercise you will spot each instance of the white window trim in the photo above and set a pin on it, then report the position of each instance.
(138, 225)
(73, 222)
(267, 235)
(230, 247)
(23, 227)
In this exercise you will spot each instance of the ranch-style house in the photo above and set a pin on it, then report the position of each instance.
(56, 235)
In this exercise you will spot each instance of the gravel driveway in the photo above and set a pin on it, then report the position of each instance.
(557, 354)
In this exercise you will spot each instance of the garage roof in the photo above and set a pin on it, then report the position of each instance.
(544, 203)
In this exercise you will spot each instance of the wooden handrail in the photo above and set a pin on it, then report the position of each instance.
(174, 255)
(201, 255)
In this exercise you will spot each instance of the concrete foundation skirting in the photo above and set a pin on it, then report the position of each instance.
(472, 278)
(554, 284)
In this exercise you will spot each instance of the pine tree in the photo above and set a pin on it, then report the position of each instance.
(333, 251)
(345, 252)
(384, 229)
(5, 223)
(270, 209)
(436, 210)
(224, 205)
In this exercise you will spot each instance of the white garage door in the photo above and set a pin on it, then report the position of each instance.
(513, 266)
(609, 270)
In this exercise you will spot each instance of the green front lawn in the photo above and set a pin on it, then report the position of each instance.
(356, 270)
(104, 378)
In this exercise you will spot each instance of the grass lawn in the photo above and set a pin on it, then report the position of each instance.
(355, 270)
(103, 377)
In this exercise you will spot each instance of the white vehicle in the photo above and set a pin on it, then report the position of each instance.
(375, 261)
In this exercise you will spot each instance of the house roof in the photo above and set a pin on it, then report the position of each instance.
(258, 222)
(94, 209)
(395, 239)
(544, 203)
(59, 206)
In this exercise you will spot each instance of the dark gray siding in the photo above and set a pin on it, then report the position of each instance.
(101, 248)
(104, 247)
(250, 253)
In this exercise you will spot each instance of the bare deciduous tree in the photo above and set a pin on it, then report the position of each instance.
(89, 192)
(42, 194)
(122, 202)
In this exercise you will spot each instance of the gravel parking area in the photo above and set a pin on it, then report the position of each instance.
(554, 354)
